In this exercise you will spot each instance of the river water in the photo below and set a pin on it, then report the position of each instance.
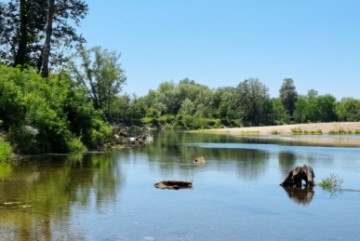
(235, 195)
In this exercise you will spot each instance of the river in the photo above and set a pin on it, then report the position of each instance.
(235, 195)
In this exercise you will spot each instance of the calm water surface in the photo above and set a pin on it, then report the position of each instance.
(235, 196)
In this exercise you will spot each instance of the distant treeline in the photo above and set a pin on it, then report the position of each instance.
(188, 105)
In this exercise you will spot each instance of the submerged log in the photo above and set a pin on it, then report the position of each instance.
(173, 184)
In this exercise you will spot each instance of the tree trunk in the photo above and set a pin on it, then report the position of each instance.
(20, 56)
(47, 45)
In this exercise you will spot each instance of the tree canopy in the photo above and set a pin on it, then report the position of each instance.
(39, 33)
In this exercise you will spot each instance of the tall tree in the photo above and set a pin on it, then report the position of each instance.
(29, 28)
(254, 102)
(44, 69)
(101, 74)
(288, 95)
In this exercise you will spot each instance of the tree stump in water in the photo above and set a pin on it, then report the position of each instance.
(299, 174)
(200, 160)
(173, 184)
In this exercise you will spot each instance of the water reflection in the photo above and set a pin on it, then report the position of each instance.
(287, 161)
(5, 170)
(236, 194)
(301, 196)
(179, 150)
(36, 196)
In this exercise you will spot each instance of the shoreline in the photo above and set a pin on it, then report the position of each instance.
(325, 128)
(339, 134)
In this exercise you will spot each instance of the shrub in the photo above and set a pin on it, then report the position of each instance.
(75, 145)
(297, 131)
(5, 151)
(331, 183)
(23, 138)
(275, 132)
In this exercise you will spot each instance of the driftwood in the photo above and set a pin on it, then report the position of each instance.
(173, 184)
(299, 174)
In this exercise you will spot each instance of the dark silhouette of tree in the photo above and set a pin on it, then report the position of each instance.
(288, 95)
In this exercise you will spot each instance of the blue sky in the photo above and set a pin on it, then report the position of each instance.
(223, 42)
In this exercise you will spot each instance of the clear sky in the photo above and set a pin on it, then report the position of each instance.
(223, 42)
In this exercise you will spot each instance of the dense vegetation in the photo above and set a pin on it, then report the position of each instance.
(188, 105)
(62, 101)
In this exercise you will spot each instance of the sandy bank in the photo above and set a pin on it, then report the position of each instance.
(325, 128)
(284, 133)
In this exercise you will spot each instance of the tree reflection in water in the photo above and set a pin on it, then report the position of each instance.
(36, 196)
(300, 195)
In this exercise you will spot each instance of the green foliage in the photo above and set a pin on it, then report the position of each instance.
(23, 32)
(11, 96)
(340, 131)
(100, 133)
(5, 151)
(275, 132)
(315, 108)
(24, 139)
(348, 109)
(190, 105)
(47, 114)
(279, 114)
(299, 131)
(101, 75)
(331, 183)
(253, 102)
(75, 145)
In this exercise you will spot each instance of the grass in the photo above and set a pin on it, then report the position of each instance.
(342, 131)
(275, 132)
(299, 131)
(331, 183)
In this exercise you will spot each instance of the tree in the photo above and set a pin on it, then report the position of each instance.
(38, 33)
(279, 114)
(254, 102)
(315, 108)
(348, 109)
(100, 73)
(288, 95)
(44, 69)
(47, 115)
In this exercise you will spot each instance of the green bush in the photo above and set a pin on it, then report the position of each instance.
(48, 115)
(5, 151)
(100, 133)
(24, 139)
(75, 145)
(331, 183)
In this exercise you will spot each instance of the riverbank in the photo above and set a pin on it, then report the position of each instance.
(321, 134)
(315, 128)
